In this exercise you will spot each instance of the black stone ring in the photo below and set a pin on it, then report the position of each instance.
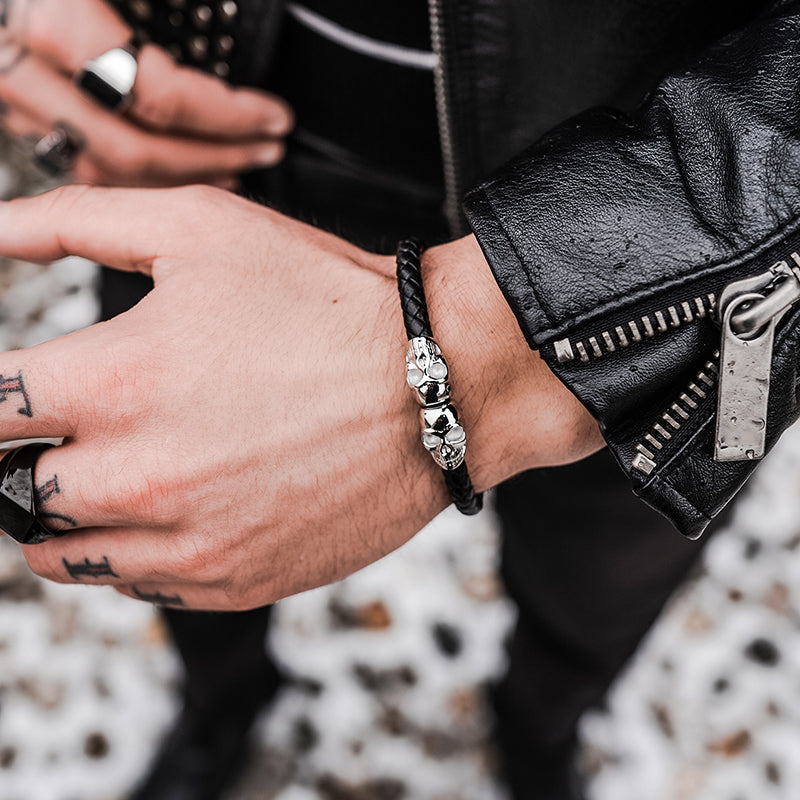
(56, 151)
(18, 515)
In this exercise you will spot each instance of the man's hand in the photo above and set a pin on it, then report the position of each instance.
(183, 125)
(246, 432)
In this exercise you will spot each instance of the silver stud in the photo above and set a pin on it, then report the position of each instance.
(201, 15)
(198, 47)
(225, 45)
(176, 19)
(177, 3)
(228, 10)
(141, 9)
(221, 69)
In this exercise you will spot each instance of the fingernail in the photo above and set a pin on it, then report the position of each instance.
(279, 125)
(269, 156)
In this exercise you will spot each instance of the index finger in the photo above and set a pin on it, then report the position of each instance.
(123, 228)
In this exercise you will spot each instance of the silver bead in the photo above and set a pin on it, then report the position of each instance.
(426, 371)
(442, 435)
(221, 69)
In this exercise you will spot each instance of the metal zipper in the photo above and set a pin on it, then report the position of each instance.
(679, 412)
(749, 312)
(636, 330)
(441, 80)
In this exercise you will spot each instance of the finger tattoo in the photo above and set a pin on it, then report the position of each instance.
(159, 599)
(16, 386)
(89, 569)
(44, 493)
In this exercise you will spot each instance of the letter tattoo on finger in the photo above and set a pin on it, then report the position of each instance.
(16, 386)
(159, 599)
(89, 569)
(44, 493)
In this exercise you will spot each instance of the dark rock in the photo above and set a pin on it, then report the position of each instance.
(305, 736)
(96, 745)
(8, 755)
(763, 652)
(448, 639)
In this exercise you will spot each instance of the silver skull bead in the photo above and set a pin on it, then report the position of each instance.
(426, 371)
(443, 436)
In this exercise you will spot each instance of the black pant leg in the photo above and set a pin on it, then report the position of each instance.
(590, 567)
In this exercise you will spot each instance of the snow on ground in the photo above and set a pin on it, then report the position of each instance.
(388, 666)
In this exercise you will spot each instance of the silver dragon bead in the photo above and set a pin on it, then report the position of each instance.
(443, 436)
(426, 371)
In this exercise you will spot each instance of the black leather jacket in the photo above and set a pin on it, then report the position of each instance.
(614, 235)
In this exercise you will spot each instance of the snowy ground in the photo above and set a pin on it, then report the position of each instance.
(389, 664)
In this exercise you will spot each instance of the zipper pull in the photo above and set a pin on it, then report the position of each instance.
(750, 311)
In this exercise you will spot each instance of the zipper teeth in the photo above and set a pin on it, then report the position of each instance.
(440, 80)
(671, 421)
(636, 330)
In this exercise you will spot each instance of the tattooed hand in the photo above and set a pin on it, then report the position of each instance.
(246, 432)
(183, 125)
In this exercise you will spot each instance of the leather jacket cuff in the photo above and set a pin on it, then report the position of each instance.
(614, 238)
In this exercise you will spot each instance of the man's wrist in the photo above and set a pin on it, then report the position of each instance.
(516, 412)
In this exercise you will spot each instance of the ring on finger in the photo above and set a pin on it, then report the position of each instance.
(56, 151)
(19, 517)
(109, 78)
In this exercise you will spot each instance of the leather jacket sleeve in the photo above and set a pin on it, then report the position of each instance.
(614, 237)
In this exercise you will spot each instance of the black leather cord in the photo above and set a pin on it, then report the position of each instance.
(417, 323)
(412, 295)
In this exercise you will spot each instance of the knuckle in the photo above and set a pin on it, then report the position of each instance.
(124, 155)
(45, 562)
(197, 559)
(156, 106)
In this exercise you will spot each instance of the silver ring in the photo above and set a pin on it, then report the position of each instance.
(109, 78)
(56, 151)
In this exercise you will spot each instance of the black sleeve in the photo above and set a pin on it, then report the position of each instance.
(614, 236)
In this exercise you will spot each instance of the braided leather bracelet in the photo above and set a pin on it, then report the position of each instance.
(426, 374)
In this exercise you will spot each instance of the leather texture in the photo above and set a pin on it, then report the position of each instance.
(613, 216)
(412, 295)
